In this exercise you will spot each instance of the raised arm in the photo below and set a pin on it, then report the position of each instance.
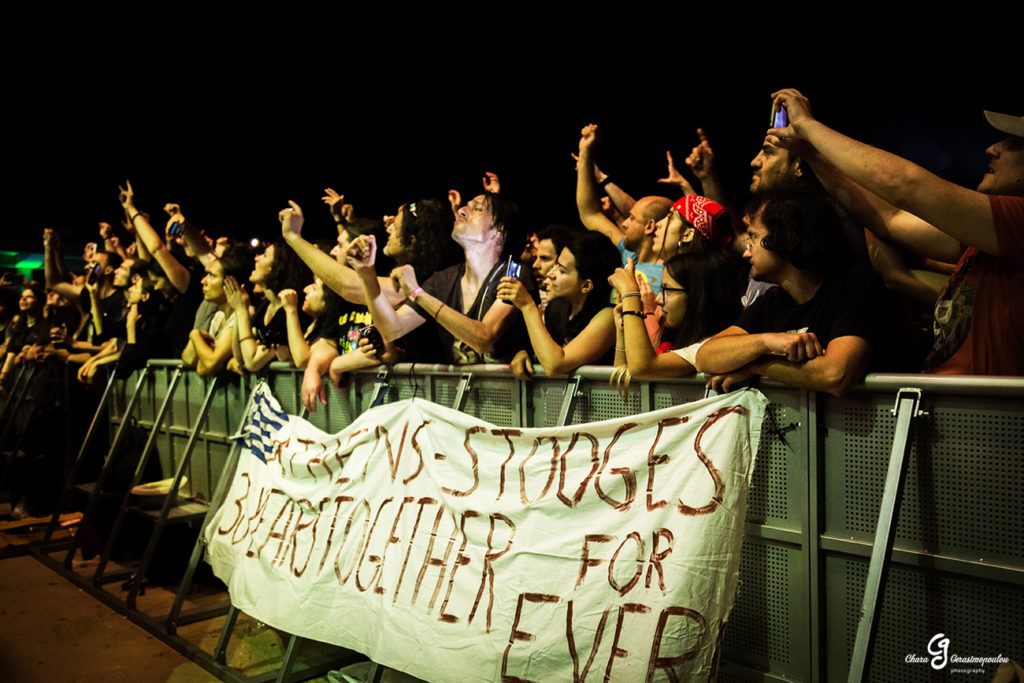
(391, 323)
(255, 356)
(54, 269)
(176, 273)
(587, 347)
(963, 214)
(588, 194)
(640, 357)
(337, 276)
(702, 162)
(882, 218)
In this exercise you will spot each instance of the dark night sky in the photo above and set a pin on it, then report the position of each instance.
(233, 139)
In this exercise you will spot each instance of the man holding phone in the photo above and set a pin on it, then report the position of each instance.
(979, 317)
(474, 327)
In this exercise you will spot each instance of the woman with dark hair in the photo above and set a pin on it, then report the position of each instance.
(578, 326)
(26, 328)
(319, 304)
(263, 337)
(699, 297)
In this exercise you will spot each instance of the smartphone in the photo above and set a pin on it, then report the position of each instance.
(512, 269)
(176, 229)
(780, 118)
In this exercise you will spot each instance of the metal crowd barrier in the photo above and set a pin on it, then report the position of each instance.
(813, 570)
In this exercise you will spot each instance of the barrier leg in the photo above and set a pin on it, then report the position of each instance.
(97, 486)
(460, 391)
(572, 390)
(284, 673)
(15, 388)
(97, 577)
(223, 484)
(220, 652)
(79, 459)
(18, 392)
(380, 387)
(184, 513)
(907, 408)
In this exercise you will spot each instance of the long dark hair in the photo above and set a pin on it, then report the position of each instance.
(427, 228)
(712, 294)
(287, 271)
(596, 258)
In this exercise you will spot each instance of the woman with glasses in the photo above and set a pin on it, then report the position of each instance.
(699, 297)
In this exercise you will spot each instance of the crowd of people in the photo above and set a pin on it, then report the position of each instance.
(847, 260)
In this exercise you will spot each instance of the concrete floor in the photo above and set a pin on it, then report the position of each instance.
(52, 631)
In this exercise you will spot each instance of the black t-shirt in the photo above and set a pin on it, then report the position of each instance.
(564, 329)
(112, 310)
(852, 303)
(274, 332)
(446, 286)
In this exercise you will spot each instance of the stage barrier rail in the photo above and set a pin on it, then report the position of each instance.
(957, 564)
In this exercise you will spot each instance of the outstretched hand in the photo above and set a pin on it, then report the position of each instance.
(492, 183)
(455, 200)
(291, 220)
(342, 212)
(702, 159)
(126, 196)
(675, 177)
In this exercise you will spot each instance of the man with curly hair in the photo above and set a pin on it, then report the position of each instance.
(823, 326)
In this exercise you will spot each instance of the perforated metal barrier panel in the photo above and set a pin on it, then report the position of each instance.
(958, 563)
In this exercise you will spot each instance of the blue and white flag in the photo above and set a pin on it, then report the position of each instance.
(265, 418)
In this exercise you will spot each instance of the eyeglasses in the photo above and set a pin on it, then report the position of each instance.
(672, 290)
(749, 241)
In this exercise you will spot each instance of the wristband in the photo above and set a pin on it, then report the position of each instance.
(628, 294)
(438, 312)
(619, 348)
(602, 183)
(244, 338)
(137, 214)
(415, 293)
(636, 313)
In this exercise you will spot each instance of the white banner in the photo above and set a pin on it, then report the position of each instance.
(455, 550)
